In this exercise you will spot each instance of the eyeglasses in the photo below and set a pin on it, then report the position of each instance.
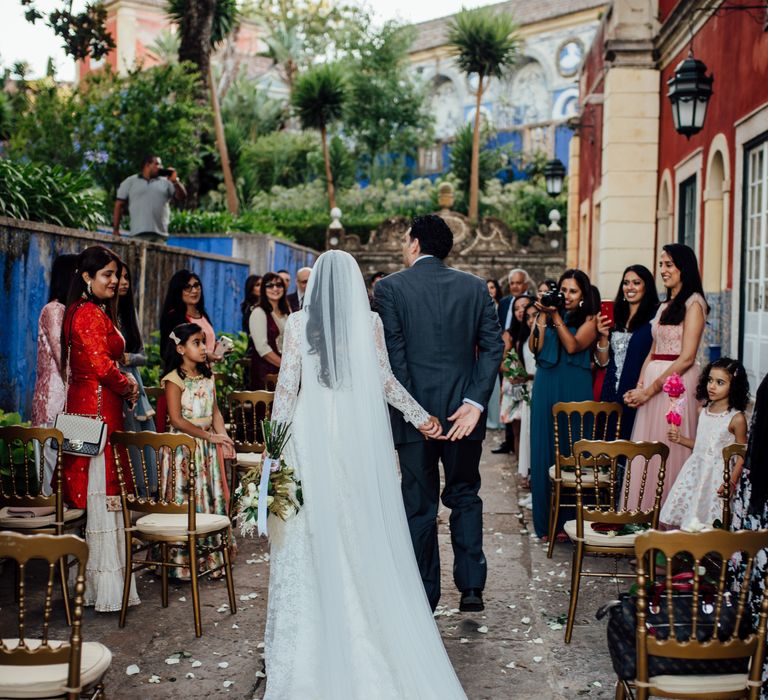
(273, 285)
(192, 287)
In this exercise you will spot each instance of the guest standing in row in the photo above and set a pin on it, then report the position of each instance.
(296, 300)
(529, 363)
(623, 346)
(677, 330)
(50, 392)
(96, 386)
(251, 300)
(562, 345)
(494, 404)
(266, 327)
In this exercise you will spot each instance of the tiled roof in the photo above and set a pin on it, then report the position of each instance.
(432, 33)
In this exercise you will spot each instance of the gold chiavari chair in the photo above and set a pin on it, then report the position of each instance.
(39, 667)
(708, 624)
(605, 508)
(165, 522)
(582, 420)
(247, 409)
(24, 507)
(731, 454)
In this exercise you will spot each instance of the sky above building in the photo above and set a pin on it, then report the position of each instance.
(22, 41)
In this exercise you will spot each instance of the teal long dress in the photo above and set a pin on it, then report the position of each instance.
(559, 377)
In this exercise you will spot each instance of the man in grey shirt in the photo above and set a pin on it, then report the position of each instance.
(147, 194)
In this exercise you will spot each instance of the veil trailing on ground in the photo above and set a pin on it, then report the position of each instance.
(363, 571)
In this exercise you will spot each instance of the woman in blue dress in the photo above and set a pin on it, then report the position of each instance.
(623, 345)
(562, 340)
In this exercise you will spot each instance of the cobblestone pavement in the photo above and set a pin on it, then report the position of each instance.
(514, 649)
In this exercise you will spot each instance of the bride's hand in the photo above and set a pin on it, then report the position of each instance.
(431, 428)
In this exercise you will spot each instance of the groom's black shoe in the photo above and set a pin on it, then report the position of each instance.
(504, 449)
(471, 600)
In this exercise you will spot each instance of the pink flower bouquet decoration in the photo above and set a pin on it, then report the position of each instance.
(675, 389)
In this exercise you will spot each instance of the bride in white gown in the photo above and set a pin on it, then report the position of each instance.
(348, 617)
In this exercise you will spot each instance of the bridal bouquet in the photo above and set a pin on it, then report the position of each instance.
(268, 488)
(675, 389)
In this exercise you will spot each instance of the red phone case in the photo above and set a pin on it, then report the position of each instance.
(606, 309)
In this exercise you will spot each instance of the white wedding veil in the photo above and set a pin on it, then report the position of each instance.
(365, 574)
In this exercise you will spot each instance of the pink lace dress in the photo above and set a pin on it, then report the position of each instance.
(650, 423)
(50, 392)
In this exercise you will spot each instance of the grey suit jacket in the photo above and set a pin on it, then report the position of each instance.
(443, 339)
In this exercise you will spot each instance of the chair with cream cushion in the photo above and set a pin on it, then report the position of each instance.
(574, 421)
(163, 522)
(717, 627)
(247, 409)
(23, 505)
(40, 667)
(598, 503)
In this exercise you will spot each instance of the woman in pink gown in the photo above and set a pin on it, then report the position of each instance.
(677, 330)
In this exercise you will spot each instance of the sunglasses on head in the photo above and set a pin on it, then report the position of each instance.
(273, 285)
(192, 287)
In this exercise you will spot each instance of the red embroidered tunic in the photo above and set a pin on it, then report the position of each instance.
(96, 345)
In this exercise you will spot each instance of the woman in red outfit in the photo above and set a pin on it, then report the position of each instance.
(94, 345)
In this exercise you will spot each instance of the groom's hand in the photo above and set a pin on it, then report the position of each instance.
(431, 429)
(464, 421)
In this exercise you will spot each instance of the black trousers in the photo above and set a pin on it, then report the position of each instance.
(421, 494)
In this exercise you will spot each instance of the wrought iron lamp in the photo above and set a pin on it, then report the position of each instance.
(689, 91)
(554, 174)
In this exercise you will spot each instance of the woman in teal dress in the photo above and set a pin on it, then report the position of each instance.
(562, 340)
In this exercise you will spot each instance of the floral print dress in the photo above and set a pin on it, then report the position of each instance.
(198, 398)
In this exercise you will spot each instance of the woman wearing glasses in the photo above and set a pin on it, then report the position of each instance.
(185, 303)
(266, 325)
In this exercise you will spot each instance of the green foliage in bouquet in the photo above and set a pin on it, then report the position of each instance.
(513, 367)
(276, 435)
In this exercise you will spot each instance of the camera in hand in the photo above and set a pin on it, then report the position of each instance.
(554, 298)
(164, 172)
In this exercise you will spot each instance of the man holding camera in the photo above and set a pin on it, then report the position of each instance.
(148, 194)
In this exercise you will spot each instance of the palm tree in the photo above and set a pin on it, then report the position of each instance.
(318, 98)
(484, 43)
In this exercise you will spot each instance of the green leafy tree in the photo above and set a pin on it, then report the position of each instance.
(318, 99)
(484, 44)
(490, 160)
(386, 111)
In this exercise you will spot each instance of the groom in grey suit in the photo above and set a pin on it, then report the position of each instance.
(445, 347)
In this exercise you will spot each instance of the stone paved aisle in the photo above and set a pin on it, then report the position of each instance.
(518, 654)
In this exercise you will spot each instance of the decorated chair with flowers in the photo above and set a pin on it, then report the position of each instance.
(163, 522)
(574, 421)
(604, 525)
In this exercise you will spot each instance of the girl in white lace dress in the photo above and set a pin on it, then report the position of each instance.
(347, 617)
(696, 494)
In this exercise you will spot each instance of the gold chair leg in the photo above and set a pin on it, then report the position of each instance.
(554, 513)
(127, 581)
(233, 480)
(228, 571)
(164, 574)
(63, 571)
(621, 692)
(195, 585)
(578, 557)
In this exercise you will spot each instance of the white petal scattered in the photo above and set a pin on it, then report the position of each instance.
(597, 684)
(261, 674)
(172, 660)
(463, 640)
(197, 664)
(190, 675)
(538, 640)
(154, 679)
(537, 659)
(526, 620)
(223, 664)
(228, 684)
(260, 645)
(183, 599)
(223, 608)
(132, 670)
(235, 627)
(483, 629)
(511, 664)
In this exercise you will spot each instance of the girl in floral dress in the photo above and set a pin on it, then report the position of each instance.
(191, 397)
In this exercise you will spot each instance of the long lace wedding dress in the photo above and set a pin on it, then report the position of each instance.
(348, 617)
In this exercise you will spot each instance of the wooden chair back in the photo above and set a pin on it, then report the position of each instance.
(582, 420)
(270, 382)
(22, 468)
(598, 458)
(53, 549)
(731, 456)
(719, 624)
(247, 409)
(174, 456)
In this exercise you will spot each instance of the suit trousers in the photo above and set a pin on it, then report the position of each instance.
(421, 494)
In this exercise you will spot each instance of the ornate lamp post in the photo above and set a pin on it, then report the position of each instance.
(554, 174)
(689, 92)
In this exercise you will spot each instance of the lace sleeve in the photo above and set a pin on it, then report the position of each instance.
(289, 379)
(394, 391)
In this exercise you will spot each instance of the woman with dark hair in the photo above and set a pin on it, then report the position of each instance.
(623, 346)
(493, 421)
(50, 392)
(251, 300)
(185, 303)
(266, 329)
(750, 510)
(139, 416)
(95, 386)
(677, 330)
(561, 338)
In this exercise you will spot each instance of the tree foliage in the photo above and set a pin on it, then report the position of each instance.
(491, 159)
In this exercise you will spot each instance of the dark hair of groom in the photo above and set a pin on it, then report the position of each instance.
(433, 234)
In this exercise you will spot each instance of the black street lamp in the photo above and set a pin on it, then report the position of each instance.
(689, 92)
(554, 174)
